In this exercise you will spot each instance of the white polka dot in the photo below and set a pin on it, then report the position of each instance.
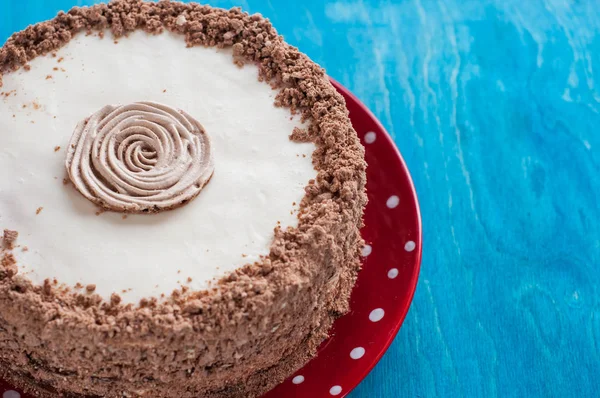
(11, 394)
(410, 246)
(366, 250)
(298, 379)
(376, 315)
(335, 390)
(393, 273)
(357, 353)
(370, 137)
(392, 202)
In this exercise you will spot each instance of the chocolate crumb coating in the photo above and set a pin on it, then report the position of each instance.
(263, 321)
(9, 238)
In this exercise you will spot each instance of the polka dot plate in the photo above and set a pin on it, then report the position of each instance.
(386, 284)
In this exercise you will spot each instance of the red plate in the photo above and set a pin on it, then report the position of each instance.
(385, 286)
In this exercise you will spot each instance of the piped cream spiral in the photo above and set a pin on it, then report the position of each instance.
(139, 158)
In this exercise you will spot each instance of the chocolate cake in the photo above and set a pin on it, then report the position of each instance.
(181, 197)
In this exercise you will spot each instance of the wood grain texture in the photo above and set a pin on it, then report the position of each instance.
(495, 108)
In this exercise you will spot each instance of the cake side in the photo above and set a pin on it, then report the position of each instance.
(263, 321)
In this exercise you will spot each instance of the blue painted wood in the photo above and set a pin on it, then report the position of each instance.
(494, 105)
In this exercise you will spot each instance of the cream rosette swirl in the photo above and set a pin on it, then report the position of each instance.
(139, 158)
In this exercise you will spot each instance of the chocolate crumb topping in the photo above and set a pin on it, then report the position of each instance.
(115, 299)
(8, 260)
(9, 239)
(263, 321)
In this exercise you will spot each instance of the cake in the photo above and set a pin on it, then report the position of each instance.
(181, 197)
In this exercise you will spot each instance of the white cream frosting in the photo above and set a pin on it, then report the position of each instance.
(259, 173)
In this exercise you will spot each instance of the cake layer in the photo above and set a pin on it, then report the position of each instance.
(258, 182)
(266, 318)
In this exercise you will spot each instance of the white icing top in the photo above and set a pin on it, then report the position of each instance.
(259, 172)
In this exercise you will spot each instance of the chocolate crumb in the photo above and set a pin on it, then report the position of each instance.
(90, 288)
(60, 60)
(39, 210)
(25, 249)
(124, 216)
(78, 286)
(56, 148)
(27, 67)
(48, 77)
(9, 239)
(8, 266)
(65, 181)
(47, 287)
(8, 260)
(115, 299)
(300, 135)
(189, 279)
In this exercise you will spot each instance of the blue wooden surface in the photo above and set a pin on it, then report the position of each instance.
(494, 105)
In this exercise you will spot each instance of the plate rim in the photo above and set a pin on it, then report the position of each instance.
(413, 282)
